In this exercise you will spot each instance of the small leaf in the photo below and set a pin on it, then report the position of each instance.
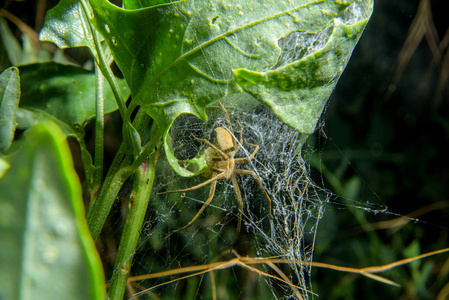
(9, 41)
(47, 251)
(9, 100)
(191, 167)
(4, 166)
(135, 139)
(65, 94)
(64, 25)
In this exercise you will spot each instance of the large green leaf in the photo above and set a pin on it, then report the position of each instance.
(178, 57)
(9, 100)
(47, 251)
(65, 94)
(298, 91)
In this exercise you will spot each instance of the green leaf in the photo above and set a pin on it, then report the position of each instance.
(179, 57)
(27, 53)
(4, 166)
(297, 92)
(9, 100)
(47, 251)
(9, 41)
(65, 26)
(64, 94)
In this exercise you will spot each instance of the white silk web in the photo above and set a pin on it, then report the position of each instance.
(297, 206)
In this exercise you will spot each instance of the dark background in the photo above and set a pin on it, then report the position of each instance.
(385, 138)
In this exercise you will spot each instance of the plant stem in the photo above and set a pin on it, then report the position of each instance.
(101, 205)
(99, 130)
(101, 61)
(128, 137)
(121, 168)
(140, 196)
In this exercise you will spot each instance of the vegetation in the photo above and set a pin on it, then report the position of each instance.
(138, 117)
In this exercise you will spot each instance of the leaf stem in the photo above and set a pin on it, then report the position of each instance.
(101, 61)
(140, 197)
(99, 130)
(128, 137)
(101, 205)
(121, 168)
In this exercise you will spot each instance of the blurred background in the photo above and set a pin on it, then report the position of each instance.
(381, 149)
(384, 143)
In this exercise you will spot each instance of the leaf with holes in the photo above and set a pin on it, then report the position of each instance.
(65, 25)
(178, 57)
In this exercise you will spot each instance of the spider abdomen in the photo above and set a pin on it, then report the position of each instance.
(224, 140)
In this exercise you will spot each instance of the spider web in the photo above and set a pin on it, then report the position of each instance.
(297, 206)
(297, 202)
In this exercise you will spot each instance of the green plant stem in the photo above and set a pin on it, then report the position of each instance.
(101, 62)
(86, 158)
(121, 168)
(140, 196)
(99, 130)
(107, 72)
(128, 137)
(101, 205)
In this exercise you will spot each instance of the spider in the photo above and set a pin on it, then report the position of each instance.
(221, 165)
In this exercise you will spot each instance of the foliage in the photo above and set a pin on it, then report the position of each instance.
(43, 231)
(178, 59)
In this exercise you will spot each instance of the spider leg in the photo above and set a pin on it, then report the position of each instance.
(240, 200)
(259, 183)
(236, 145)
(248, 158)
(211, 180)
(227, 115)
(209, 199)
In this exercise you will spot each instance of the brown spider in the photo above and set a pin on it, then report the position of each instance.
(221, 165)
